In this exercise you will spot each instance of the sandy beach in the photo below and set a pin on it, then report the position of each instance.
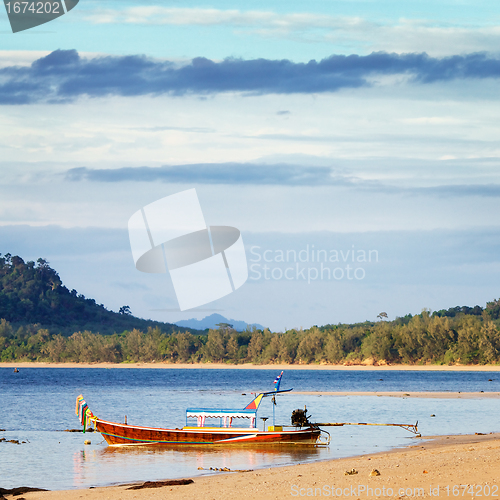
(447, 467)
(221, 366)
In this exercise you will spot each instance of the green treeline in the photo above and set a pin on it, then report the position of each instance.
(438, 338)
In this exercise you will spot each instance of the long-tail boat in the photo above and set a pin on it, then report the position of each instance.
(223, 433)
(302, 431)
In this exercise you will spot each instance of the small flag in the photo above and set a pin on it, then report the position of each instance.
(277, 382)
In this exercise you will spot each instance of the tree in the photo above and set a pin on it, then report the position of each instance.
(55, 348)
(215, 347)
(125, 310)
(489, 342)
(310, 348)
(232, 348)
(224, 326)
(334, 352)
(255, 347)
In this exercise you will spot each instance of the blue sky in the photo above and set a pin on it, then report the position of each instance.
(279, 29)
(343, 126)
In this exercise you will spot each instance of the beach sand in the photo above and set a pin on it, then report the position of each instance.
(249, 366)
(447, 467)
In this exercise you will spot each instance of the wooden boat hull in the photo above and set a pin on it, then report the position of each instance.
(117, 434)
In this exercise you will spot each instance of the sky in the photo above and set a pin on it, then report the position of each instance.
(353, 144)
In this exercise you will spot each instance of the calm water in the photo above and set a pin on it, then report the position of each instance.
(37, 404)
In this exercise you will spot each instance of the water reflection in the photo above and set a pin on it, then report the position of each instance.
(252, 455)
(149, 463)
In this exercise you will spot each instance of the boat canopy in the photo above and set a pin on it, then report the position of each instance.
(226, 416)
(213, 413)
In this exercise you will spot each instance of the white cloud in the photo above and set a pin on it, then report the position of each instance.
(434, 120)
(215, 17)
(433, 38)
(348, 32)
(20, 57)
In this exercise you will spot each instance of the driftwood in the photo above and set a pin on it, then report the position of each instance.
(160, 484)
(19, 491)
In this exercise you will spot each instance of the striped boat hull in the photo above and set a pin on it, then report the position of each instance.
(117, 434)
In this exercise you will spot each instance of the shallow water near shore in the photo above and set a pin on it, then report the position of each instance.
(37, 404)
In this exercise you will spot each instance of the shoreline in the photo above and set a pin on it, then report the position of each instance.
(432, 467)
(223, 366)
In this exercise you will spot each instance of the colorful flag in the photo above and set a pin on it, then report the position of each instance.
(83, 412)
(254, 404)
(277, 382)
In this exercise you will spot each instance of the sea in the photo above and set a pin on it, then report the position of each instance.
(37, 406)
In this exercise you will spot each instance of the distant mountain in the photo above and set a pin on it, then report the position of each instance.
(213, 320)
(33, 293)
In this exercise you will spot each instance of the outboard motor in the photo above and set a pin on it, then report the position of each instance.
(300, 418)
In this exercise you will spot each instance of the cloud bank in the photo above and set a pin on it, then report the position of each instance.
(211, 173)
(271, 175)
(63, 75)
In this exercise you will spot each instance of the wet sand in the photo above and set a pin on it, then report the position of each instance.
(432, 395)
(446, 467)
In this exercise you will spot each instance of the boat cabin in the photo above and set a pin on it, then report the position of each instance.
(226, 417)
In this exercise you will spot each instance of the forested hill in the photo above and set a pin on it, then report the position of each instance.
(36, 308)
(33, 293)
